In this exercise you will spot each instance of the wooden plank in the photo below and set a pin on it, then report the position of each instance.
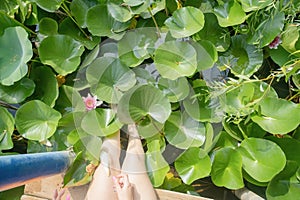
(27, 197)
(44, 189)
(171, 195)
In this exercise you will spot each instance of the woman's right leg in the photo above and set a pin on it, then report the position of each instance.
(101, 186)
(134, 166)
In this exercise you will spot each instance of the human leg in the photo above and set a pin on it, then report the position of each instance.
(101, 186)
(134, 165)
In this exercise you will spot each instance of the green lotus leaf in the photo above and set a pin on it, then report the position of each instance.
(136, 46)
(157, 166)
(118, 11)
(6, 129)
(241, 58)
(207, 54)
(290, 36)
(148, 129)
(50, 6)
(183, 132)
(80, 9)
(6, 21)
(48, 26)
(240, 100)
(174, 59)
(109, 78)
(100, 122)
(280, 56)
(90, 145)
(200, 106)
(285, 185)
(289, 146)
(61, 52)
(175, 90)
(258, 158)
(277, 116)
(143, 102)
(251, 5)
(36, 121)
(68, 27)
(230, 13)
(267, 30)
(69, 99)
(108, 26)
(17, 92)
(76, 174)
(227, 169)
(46, 88)
(212, 32)
(193, 164)
(185, 22)
(133, 2)
(153, 7)
(15, 52)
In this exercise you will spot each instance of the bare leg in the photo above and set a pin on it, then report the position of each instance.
(134, 166)
(101, 186)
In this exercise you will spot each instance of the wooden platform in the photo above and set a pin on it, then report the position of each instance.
(43, 190)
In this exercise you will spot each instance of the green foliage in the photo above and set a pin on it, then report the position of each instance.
(213, 86)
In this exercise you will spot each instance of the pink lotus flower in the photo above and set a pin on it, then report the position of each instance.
(91, 102)
(275, 43)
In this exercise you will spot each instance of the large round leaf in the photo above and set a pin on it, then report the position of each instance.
(148, 129)
(118, 11)
(15, 52)
(285, 185)
(157, 166)
(262, 159)
(61, 52)
(230, 13)
(289, 146)
(49, 6)
(68, 27)
(109, 78)
(240, 100)
(17, 92)
(193, 164)
(36, 121)
(175, 90)
(183, 132)
(100, 122)
(277, 116)
(142, 102)
(46, 85)
(6, 129)
(290, 37)
(136, 46)
(227, 169)
(48, 26)
(174, 59)
(207, 54)
(212, 32)
(251, 5)
(241, 58)
(185, 22)
(200, 106)
(80, 9)
(108, 26)
(267, 30)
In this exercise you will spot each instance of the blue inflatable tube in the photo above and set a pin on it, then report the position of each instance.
(16, 170)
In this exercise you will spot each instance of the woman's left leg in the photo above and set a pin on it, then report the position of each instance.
(101, 186)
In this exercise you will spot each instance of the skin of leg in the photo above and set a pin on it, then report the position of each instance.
(101, 186)
(134, 166)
